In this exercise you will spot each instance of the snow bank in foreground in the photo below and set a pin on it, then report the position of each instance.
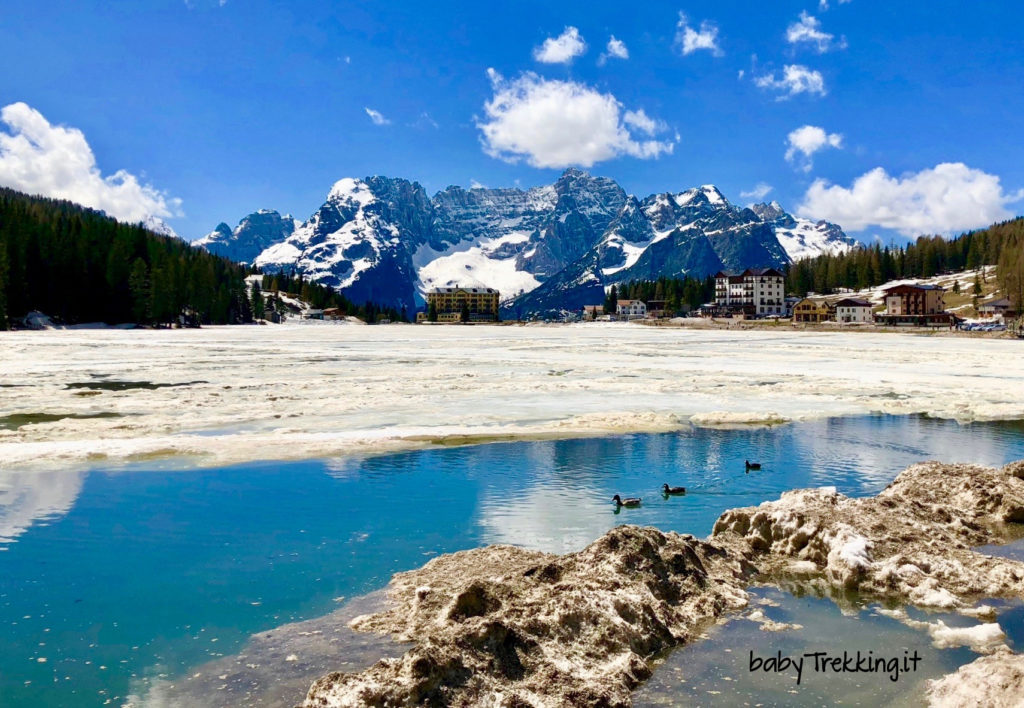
(231, 394)
(991, 680)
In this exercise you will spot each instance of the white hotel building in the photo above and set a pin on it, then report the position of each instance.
(759, 292)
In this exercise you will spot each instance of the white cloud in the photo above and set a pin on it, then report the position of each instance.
(552, 123)
(474, 184)
(561, 49)
(56, 161)
(759, 192)
(644, 123)
(616, 49)
(808, 31)
(377, 117)
(945, 199)
(795, 79)
(690, 40)
(823, 4)
(803, 142)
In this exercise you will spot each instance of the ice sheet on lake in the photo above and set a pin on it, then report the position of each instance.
(286, 392)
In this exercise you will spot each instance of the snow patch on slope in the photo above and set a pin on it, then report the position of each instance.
(475, 263)
(808, 239)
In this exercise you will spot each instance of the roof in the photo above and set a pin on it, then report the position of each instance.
(441, 291)
(1001, 302)
(911, 286)
(630, 302)
(817, 301)
(762, 272)
(853, 302)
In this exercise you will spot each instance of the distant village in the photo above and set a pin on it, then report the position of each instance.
(754, 294)
(759, 294)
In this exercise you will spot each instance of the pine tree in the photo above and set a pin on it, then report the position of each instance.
(611, 301)
(139, 287)
(258, 305)
(4, 270)
(464, 314)
(432, 311)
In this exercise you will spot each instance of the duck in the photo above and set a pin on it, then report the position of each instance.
(628, 501)
(753, 465)
(672, 490)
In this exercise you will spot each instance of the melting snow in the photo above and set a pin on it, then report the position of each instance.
(328, 406)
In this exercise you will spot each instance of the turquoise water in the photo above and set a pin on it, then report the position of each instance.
(143, 573)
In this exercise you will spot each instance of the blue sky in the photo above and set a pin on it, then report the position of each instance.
(246, 104)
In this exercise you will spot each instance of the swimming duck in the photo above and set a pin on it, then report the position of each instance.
(753, 465)
(673, 490)
(628, 501)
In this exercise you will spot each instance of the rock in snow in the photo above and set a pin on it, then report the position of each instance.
(504, 626)
(384, 239)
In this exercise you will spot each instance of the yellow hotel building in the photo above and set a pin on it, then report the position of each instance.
(482, 302)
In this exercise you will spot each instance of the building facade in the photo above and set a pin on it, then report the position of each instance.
(910, 304)
(813, 310)
(631, 308)
(853, 311)
(758, 292)
(657, 308)
(1001, 306)
(914, 300)
(450, 303)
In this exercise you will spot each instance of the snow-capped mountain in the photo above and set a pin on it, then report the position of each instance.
(361, 240)
(803, 238)
(386, 240)
(253, 235)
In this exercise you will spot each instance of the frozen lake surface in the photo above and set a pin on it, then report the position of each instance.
(150, 579)
(233, 394)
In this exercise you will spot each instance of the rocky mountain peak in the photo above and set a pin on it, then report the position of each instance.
(384, 239)
(254, 233)
(769, 211)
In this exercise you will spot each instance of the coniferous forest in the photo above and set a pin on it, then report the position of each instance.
(1000, 244)
(679, 294)
(79, 265)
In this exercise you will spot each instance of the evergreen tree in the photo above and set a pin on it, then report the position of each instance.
(432, 311)
(464, 314)
(611, 301)
(4, 270)
(258, 305)
(139, 287)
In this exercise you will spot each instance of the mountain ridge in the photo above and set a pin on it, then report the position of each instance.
(385, 239)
